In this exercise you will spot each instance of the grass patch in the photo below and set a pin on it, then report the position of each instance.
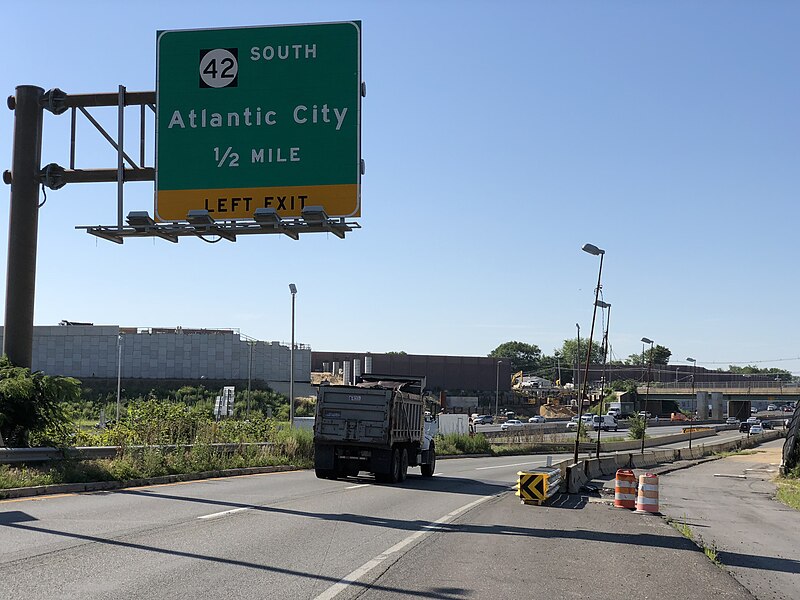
(522, 449)
(293, 447)
(683, 528)
(734, 453)
(459, 443)
(710, 550)
(789, 492)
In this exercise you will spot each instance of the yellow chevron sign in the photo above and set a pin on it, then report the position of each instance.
(531, 486)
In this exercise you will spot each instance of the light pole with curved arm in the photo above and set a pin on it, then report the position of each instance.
(602, 304)
(693, 401)
(594, 251)
(647, 389)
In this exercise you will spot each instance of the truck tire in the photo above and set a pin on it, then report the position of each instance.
(403, 464)
(325, 473)
(393, 476)
(428, 468)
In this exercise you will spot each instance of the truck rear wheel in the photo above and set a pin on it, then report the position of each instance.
(403, 464)
(325, 473)
(428, 468)
(393, 476)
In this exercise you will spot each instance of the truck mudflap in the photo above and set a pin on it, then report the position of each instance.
(324, 457)
(381, 461)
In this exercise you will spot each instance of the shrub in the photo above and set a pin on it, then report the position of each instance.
(33, 406)
(459, 443)
(636, 427)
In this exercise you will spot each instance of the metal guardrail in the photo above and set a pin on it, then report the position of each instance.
(46, 454)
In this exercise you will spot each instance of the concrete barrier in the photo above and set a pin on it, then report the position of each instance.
(608, 464)
(654, 441)
(576, 477)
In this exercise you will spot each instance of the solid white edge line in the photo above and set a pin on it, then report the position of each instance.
(354, 487)
(354, 576)
(223, 513)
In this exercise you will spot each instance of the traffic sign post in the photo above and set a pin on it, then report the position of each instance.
(258, 117)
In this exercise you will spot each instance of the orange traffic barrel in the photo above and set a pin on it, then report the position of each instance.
(625, 489)
(647, 500)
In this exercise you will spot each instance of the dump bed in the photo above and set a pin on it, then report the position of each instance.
(372, 414)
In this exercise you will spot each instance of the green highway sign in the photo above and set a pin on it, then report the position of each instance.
(258, 117)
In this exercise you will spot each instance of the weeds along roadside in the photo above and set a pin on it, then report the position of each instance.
(162, 438)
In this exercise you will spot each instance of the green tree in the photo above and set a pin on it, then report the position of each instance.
(570, 347)
(780, 374)
(624, 385)
(660, 355)
(524, 357)
(34, 405)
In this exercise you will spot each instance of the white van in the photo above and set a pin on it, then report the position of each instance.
(604, 422)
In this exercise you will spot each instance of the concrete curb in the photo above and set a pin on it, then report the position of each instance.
(99, 486)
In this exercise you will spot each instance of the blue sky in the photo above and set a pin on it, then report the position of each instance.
(498, 139)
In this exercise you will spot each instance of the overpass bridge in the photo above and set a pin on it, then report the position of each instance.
(758, 393)
(725, 398)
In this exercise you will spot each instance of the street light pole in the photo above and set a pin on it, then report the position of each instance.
(558, 365)
(578, 363)
(595, 251)
(602, 304)
(497, 392)
(119, 373)
(691, 427)
(647, 389)
(293, 290)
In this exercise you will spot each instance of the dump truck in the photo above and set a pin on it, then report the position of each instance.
(379, 425)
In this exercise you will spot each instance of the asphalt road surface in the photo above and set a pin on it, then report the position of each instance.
(730, 504)
(280, 535)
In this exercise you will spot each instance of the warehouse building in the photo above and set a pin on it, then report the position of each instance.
(183, 356)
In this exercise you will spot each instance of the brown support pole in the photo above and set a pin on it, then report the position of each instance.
(23, 224)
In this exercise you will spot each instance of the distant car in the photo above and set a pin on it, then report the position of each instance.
(614, 412)
(753, 410)
(787, 409)
(754, 420)
(604, 422)
(678, 416)
(733, 421)
(646, 415)
(484, 420)
(537, 419)
(511, 424)
(767, 425)
(744, 427)
(754, 429)
(772, 407)
(572, 423)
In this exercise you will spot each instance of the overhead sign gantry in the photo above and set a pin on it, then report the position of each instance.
(258, 130)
